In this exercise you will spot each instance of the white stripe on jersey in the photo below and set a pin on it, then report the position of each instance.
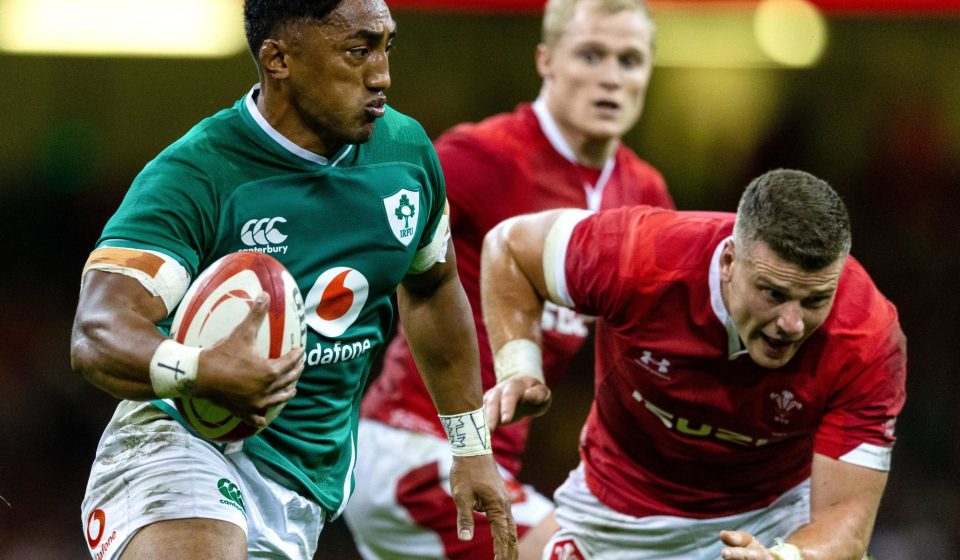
(346, 479)
(868, 455)
(555, 255)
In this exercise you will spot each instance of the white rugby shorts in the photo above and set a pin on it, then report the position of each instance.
(402, 509)
(591, 530)
(148, 468)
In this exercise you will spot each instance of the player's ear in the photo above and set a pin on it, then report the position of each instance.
(727, 256)
(543, 61)
(272, 58)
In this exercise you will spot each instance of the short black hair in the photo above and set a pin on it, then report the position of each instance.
(798, 215)
(262, 18)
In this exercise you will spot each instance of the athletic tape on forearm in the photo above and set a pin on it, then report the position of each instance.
(519, 357)
(468, 433)
(785, 551)
(173, 369)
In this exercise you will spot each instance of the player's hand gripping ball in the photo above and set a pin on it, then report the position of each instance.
(214, 305)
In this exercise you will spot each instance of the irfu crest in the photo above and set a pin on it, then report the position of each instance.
(403, 213)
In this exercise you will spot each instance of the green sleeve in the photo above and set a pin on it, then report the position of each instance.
(171, 206)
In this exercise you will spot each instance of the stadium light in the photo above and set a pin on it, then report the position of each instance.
(169, 28)
(738, 34)
(791, 32)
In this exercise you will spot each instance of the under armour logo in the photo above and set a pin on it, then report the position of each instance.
(262, 232)
(660, 368)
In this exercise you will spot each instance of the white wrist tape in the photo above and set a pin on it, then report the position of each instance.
(785, 551)
(468, 433)
(173, 369)
(519, 357)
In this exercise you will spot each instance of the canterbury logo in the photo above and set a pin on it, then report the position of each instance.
(262, 232)
(335, 301)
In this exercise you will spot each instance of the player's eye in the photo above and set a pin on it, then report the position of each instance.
(816, 302)
(590, 56)
(630, 61)
(775, 296)
(359, 52)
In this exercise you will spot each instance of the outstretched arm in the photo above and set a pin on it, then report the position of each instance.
(115, 337)
(844, 499)
(513, 288)
(439, 327)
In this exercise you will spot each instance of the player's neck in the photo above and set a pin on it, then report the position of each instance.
(286, 120)
(589, 151)
(593, 153)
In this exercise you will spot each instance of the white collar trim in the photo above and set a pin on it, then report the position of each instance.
(551, 130)
(284, 142)
(734, 346)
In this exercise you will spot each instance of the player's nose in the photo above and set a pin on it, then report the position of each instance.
(790, 320)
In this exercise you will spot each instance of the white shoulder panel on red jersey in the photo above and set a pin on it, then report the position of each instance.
(555, 255)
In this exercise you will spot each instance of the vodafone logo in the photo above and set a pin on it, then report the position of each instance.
(96, 525)
(335, 301)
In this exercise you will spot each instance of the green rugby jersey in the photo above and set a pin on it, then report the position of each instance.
(347, 228)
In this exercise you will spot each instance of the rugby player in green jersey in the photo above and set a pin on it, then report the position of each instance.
(312, 167)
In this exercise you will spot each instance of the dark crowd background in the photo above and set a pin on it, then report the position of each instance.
(878, 117)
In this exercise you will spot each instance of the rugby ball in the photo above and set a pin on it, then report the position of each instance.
(216, 302)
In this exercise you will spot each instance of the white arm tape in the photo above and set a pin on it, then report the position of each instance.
(785, 551)
(173, 369)
(468, 433)
(518, 357)
(435, 252)
(170, 281)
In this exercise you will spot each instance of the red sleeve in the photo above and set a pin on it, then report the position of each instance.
(868, 352)
(609, 256)
(865, 407)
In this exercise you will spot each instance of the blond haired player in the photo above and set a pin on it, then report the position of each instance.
(563, 150)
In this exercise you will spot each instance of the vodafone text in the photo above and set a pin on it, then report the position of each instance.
(337, 352)
(106, 545)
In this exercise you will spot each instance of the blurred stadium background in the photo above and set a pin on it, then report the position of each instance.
(864, 93)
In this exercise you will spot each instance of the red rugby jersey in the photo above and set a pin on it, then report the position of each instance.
(503, 166)
(684, 422)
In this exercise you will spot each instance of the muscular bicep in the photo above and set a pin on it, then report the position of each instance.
(844, 499)
(834, 483)
(114, 333)
(107, 293)
(515, 248)
(513, 281)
